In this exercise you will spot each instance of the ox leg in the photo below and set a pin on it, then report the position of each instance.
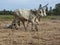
(18, 23)
(24, 26)
(36, 27)
(14, 24)
(32, 26)
(35, 24)
(27, 24)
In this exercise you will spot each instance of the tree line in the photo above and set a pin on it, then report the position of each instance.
(6, 12)
(55, 11)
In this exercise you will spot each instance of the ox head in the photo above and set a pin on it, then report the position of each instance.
(42, 10)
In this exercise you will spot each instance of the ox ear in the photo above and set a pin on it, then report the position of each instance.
(45, 6)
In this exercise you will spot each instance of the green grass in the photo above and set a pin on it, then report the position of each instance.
(10, 17)
(6, 17)
(51, 18)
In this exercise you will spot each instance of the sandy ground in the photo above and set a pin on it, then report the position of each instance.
(48, 34)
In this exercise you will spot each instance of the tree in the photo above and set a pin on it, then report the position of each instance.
(6, 12)
(56, 10)
(51, 11)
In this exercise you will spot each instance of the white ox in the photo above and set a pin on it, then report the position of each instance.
(30, 16)
(26, 15)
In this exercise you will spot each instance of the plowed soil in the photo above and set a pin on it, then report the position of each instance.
(48, 34)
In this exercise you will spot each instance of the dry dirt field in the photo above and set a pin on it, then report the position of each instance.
(48, 34)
